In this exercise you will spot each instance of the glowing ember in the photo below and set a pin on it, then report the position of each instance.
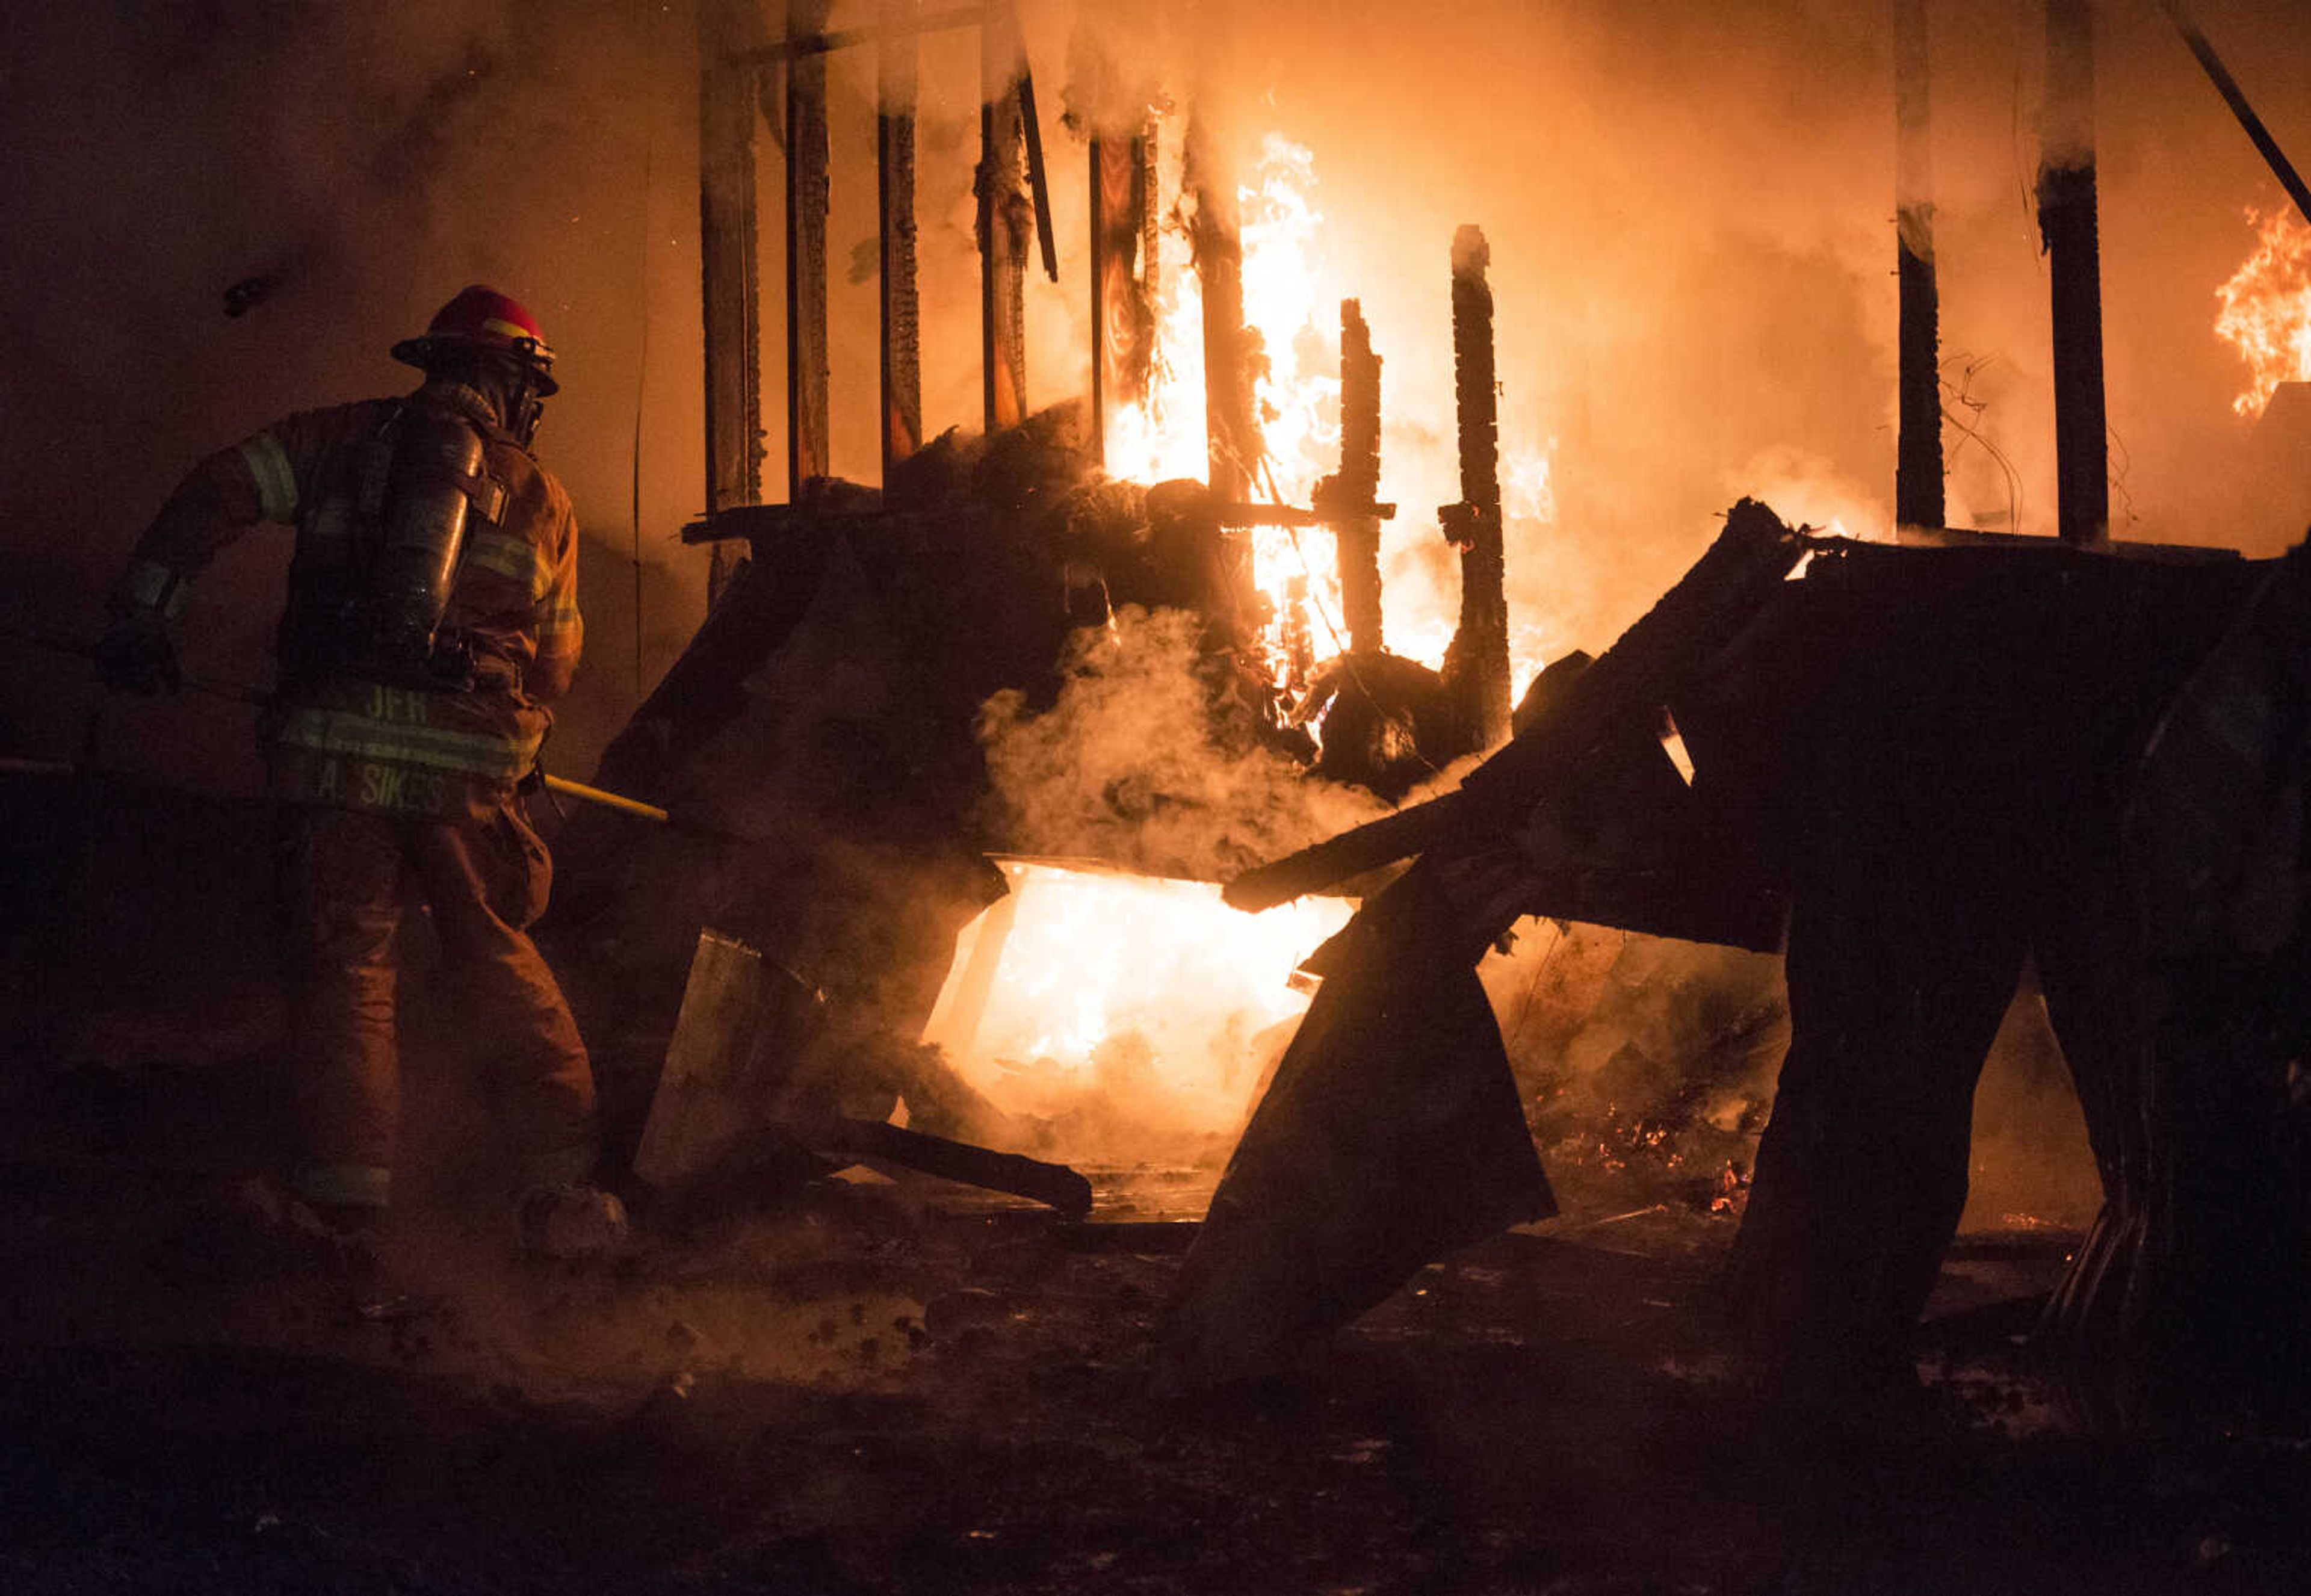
(1150, 992)
(2266, 308)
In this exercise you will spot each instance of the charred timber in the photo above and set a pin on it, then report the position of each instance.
(1031, 131)
(806, 207)
(1217, 247)
(1918, 497)
(1477, 665)
(1005, 219)
(894, 170)
(1054, 1184)
(729, 283)
(1122, 313)
(2236, 98)
(2068, 224)
(797, 46)
(1351, 498)
(1650, 665)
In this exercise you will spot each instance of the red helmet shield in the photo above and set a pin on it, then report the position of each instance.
(480, 319)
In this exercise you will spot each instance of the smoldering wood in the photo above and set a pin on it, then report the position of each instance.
(823, 43)
(1352, 496)
(1648, 666)
(900, 301)
(729, 283)
(1004, 216)
(806, 200)
(1391, 1135)
(1918, 492)
(1233, 432)
(1123, 316)
(1030, 127)
(875, 1142)
(1476, 662)
(2069, 225)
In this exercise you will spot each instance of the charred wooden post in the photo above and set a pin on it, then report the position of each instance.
(1005, 217)
(807, 203)
(728, 270)
(1233, 448)
(1115, 114)
(1122, 314)
(894, 171)
(1918, 499)
(2068, 224)
(1477, 665)
(1351, 498)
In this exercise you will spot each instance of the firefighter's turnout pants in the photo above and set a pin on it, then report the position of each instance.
(351, 879)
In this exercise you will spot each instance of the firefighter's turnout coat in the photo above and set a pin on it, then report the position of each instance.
(335, 739)
(395, 782)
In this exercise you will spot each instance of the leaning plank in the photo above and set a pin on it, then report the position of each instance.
(871, 1140)
(1653, 658)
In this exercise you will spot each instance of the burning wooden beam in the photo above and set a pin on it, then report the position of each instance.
(1918, 499)
(1233, 448)
(728, 276)
(1477, 665)
(894, 170)
(1122, 314)
(807, 204)
(2068, 224)
(1352, 496)
(1005, 220)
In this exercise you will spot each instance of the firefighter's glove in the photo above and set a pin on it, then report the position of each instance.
(135, 656)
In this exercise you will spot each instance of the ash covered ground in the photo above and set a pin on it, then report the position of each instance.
(876, 1384)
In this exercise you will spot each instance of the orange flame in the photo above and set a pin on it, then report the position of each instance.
(2266, 308)
(1291, 299)
(1147, 989)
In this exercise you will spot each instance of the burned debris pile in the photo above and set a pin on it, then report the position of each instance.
(884, 695)
(1942, 761)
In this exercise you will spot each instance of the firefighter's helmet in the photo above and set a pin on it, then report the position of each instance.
(481, 320)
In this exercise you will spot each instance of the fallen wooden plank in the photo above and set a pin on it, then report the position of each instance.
(871, 1141)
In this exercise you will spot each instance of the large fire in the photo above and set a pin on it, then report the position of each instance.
(1147, 998)
(2266, 308)
(1148, 991)
(1291, 299)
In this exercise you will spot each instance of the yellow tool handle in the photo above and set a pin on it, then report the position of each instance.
(608, 800)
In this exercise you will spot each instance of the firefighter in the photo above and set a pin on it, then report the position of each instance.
(432, 616)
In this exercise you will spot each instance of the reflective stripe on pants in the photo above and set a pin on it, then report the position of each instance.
(346, 876)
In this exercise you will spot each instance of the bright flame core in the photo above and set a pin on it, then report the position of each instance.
(1290, 301)
(1150, 992)
(2266, 308)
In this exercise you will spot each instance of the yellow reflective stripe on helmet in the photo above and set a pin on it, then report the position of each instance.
(469, 753)
(276, 479)
(509, 556)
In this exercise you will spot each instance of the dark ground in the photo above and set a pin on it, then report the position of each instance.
(906, 1388)
(899, 1387)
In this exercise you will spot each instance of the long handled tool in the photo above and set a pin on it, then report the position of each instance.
(236, 692)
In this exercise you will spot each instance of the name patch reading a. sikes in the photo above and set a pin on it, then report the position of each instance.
(394, 788)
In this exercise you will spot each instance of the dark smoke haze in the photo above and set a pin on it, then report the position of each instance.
(1689, 208)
